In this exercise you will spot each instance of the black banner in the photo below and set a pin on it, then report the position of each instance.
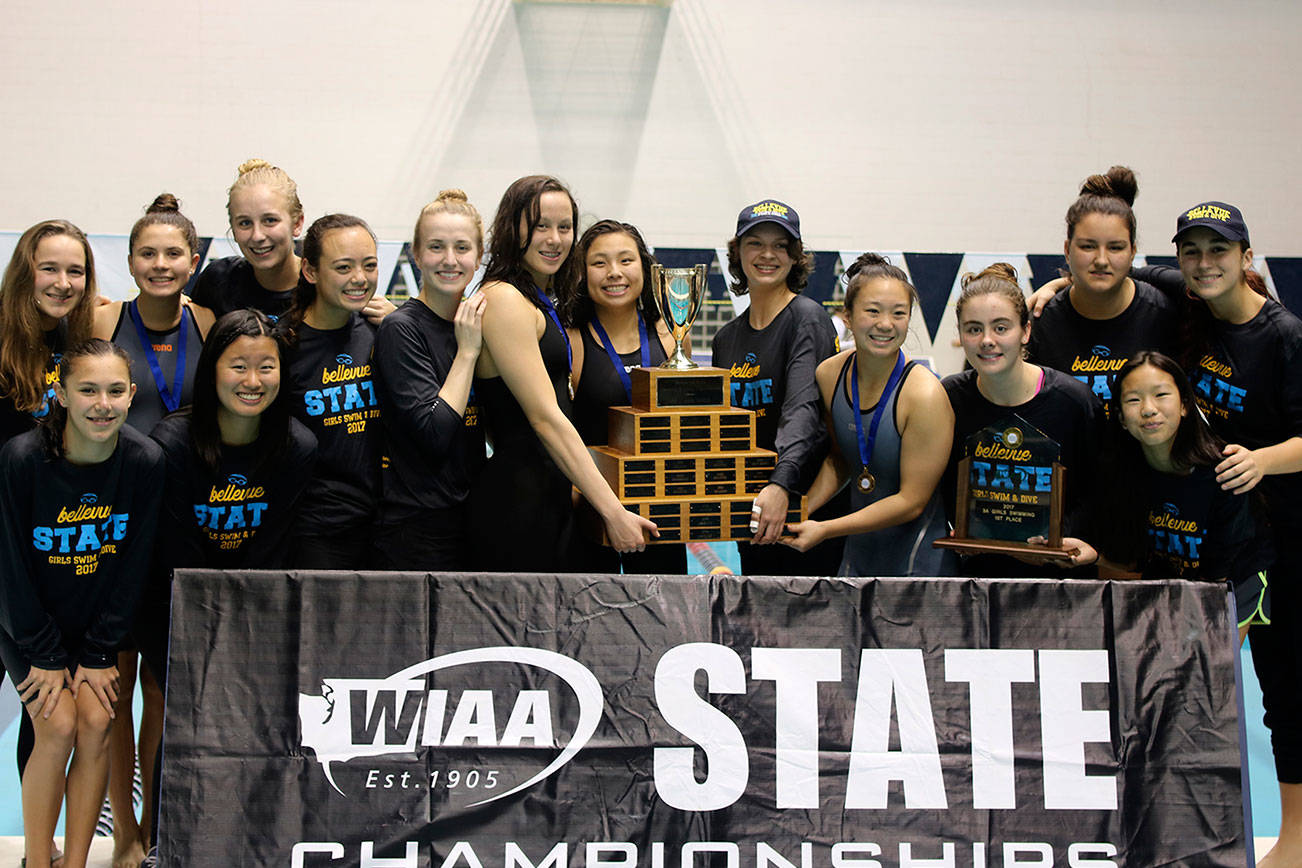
(538, 721)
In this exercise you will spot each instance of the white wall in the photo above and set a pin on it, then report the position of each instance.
(934, 125)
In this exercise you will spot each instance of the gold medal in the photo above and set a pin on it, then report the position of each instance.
(866, 482)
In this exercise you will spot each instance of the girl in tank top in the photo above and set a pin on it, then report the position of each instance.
(615, 326)
(891, 426)
(522, 378)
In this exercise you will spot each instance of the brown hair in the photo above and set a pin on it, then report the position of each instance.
(506, 246)
(1112, 193)
(313, 241)
(451, 201)
(53, 424)
(23, 353)
(802, 263)
(165, 210)
(997, 279)
(257, 171)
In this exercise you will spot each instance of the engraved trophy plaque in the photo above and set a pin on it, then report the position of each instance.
(682, 455)
(1009, 490)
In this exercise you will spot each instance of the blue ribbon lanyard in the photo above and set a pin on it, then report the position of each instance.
(171, 397)
(569, 350)
(615, 357)
(866, 480)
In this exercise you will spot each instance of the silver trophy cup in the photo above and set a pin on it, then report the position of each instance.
(679, 293)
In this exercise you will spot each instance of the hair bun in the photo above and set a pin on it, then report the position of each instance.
(164, 203)
(452, 195)
(253, 164)
(1000, 270)
(1119, 181)
(863, 261)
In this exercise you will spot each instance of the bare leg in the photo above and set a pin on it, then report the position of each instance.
(87, 778)
(151, 733)
(43, 783)
(127, 851)
(1287, 851)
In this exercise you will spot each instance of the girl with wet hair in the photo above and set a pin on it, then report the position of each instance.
(1105, 316)
(891, 426)
(425, 355)
(523, 383)
(615, 326)
(78, 509)
(332, 392)
(994, 328)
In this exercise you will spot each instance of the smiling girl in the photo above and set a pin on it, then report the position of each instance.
(891, 425)
(68, 602)
(1167, 513)
(46, 303)
(1105, 317)
(615, 327)
(994, 327)
(425, 354)
(772, 351)
(522, 380)
(159, 329)
(332, 392)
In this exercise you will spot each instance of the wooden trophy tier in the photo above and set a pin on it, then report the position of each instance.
(670, 388)
(685, 458)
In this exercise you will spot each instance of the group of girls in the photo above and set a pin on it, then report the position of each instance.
(372, 455)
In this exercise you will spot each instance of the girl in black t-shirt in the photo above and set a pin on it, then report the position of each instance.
(1163, 510)
(1105, 316)
(615, 326)
(994, 327)
(425, 354)
(520, 508)
(265, 217)
(333, 393)
(78, 509)
(1243, 352)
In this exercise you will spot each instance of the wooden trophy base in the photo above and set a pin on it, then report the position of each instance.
(691, 519)
(1006, 547)
(698, 389)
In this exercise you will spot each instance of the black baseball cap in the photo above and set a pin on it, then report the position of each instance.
(769, 211)
(1223, 219)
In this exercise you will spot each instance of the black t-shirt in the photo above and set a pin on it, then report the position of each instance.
(1066, 411)
(75, 545)
(434, 453)
(14, 421)
(600, 387)
(1198, 531)
(334, 396)
(235, 518)
(229, 284)
(1093, 350)
(772, 373)
(1248, 384)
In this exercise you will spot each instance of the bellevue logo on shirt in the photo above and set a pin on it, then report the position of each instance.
(1212, 387)
(81, 533)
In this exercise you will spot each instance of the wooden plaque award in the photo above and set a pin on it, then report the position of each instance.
(682, 455)
(1009, 490)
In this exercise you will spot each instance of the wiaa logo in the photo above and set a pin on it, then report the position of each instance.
(344, 359)
(752, 359)
(237, 479)
(347, 720)
(1100, 351)
(1170, 509)
(89, 497)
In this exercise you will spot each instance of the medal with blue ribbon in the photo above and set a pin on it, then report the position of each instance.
(171, 397)
(866, 481)
(615, 359)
